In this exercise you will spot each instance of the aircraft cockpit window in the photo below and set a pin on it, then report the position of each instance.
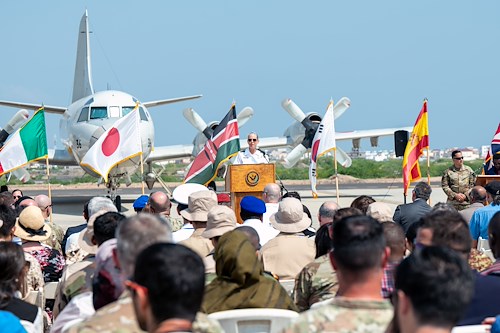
(126, 110)
(114, 112)
(98, 113)
(84, 114)
(142, 113)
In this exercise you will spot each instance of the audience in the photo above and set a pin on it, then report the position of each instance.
(494, 241)
(271, 195)
(180, 195)
(252, 211)
(482, 216)
(395, 241)
(380, 211)
(477, 199)
(362, 202)
(326, 212)
(241, 282)
(408, 214)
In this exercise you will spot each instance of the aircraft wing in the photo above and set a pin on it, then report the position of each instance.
(47, 108)
(168, 101)
(369, 133)
(170, 152)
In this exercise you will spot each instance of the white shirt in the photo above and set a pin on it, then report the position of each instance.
(183, 233)
(77, 310)
(72, 242)
(245, 157)
(265, 233)
(271, 208)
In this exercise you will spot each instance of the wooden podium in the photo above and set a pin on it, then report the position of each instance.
(485, 179)
(248, 179)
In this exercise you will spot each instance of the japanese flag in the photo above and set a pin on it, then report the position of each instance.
(118, 144)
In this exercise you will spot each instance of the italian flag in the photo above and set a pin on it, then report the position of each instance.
(26, 145)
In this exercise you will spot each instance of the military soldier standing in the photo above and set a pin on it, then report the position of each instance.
(457, 181)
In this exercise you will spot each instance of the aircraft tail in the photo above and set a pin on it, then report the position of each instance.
(82, 85)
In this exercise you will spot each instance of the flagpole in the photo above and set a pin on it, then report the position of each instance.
(142, 174)
(429, 172)
(48, 181)
(336, 175)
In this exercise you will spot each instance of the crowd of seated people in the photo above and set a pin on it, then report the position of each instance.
(367, 268)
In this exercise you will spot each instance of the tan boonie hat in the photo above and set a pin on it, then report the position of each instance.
(380, 211)
(220, 220)
(85, 237)
(199, 203)
(31, 225)
(290, 216)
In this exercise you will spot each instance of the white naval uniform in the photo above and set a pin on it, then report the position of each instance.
(245, 157)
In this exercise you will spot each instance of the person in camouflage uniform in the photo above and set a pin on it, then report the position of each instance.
(57, 236)
(133, 235)
(358, 255)
(316, 282)
(457, 181)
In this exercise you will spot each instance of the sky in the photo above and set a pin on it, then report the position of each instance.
(386, 56)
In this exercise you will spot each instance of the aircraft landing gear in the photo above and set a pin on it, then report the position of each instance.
(112, 185)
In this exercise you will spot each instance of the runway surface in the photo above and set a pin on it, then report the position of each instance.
(68, 201)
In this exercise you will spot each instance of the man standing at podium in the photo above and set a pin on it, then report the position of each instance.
(251, 155)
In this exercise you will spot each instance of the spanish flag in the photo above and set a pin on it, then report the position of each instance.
(418, 141)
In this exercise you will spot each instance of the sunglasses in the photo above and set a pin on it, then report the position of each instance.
(458, 158)
(252, 140)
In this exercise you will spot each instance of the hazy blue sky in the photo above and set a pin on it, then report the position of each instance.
(386, 56)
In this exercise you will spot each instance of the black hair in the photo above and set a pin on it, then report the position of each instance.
(422, 190)
(455, 152)
(12, 263)
(8, 217)
(439, 284)
(358, 243)
(105, 226)
(411, 233)
(292, 194)
(17, 190)
(362, 202)
(345, 212)
(246, 215)
(322, 240)
(449, 229)
(175, 278)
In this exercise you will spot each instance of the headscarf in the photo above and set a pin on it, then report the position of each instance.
(240, 281)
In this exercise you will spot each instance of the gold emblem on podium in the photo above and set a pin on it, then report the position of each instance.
(252, 178)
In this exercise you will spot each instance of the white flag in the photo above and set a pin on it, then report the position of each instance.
(324, 139)
(118, 144)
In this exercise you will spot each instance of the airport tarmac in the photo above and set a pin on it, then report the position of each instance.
(68, 201)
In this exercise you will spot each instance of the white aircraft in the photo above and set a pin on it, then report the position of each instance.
(92, 113)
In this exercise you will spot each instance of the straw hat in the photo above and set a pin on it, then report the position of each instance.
(290, 217)
(220, 220)
(31, 225)
(199, 203)
(85, 237)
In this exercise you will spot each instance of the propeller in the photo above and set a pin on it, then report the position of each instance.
(245, 114)
(194, 119)
(311, 125)
(18, 120)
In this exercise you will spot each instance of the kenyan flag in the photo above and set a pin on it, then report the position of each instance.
(224, 144)
(26, 145)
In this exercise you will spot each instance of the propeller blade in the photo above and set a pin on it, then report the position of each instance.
(244, 115)
(343, 159)
(293, 110)
(21, 174)
(293, 157)
(194, 119)
(341, 106)
(18, 120)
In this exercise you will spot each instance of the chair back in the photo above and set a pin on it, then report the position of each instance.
(254, 320)
(471, 329)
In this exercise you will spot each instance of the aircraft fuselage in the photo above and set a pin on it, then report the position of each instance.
(88, 118)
